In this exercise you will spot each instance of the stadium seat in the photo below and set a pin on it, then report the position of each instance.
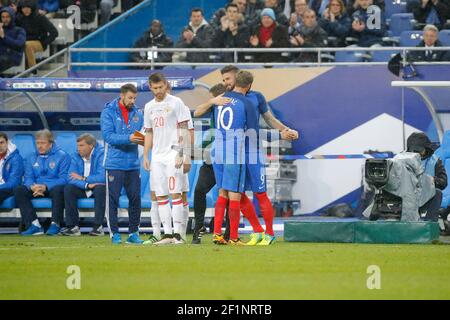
(67, 141)
(394, 7)
(65, 34)
(410, 38)
(86, 203)
(383, 56)
(42, 203)
(9, 203)
(25, 144)
(401, 22)
(444, 37)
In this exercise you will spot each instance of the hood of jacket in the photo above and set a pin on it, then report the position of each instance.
(12, 14)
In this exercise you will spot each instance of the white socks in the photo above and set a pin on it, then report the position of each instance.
(178, 216)
(185, 220)
(36, 223)
(165, 213)
(156, 220)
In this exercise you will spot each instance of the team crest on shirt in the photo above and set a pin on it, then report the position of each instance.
(167, 109)
(52, 165)
(111, 178)
(36, 164)
(136, 119)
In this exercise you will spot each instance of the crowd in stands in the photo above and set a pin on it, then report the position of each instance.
(294, 24)
(25, 28)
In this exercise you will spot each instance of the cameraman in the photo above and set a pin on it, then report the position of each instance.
(418, 142)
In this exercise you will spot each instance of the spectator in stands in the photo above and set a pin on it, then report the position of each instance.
(48, 8)
(269, 34)
(12, 40)
(40, 31)
(45, 176)
(233, 33)
(153, 37)
(296, 18)
(336, 23)
(287, 6)
(310, 35)
(11, 167)
(88, 9)
(216, 20)
(419, 142)
(9, 3)
(353, 5)
(278, 11)
(367, 34)
(86, 179)
(106, 7)
(252, 11)
(197, 34)
(431, 11)
(430, 40)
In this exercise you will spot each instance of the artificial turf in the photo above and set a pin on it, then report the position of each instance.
(36, 268)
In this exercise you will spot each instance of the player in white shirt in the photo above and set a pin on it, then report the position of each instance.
(166, 121)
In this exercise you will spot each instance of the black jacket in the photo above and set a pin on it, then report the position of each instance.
(434, 56)
(225, 39)
(37, 27)
(440, 175)
(202, 39)
(149, 40)
(421, 14)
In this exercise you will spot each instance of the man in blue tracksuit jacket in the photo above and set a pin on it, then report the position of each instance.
(86, 180)
(45, 176)
(11, 167)
(119, 120)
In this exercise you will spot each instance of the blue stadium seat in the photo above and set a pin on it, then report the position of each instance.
(401, 22)
(444, 37)
(67, 141)
(9, 203)
(348, 56)
(444, 152)
(410, 38)
(42, 203)
(393, 7)
(85, 203)
(383, 56)
(25, 144)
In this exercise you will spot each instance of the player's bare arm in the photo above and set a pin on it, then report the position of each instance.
(285, 132)
(148, 144)
(184, 138)
(204, 107)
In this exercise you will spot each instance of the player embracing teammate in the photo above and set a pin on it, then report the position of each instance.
(254, 167)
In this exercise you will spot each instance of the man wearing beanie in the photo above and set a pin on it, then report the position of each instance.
(269, 34)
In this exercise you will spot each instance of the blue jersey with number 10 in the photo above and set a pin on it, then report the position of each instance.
(230, 121)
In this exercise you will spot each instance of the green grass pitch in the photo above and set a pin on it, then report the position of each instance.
(36, 268)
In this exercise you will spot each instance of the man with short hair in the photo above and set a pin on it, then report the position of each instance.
(119, 121)
(11, 167)
(166, 121)
(197, 34)
(45, 176)
(86, 179)
(430, 41)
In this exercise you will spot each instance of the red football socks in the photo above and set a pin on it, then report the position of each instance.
(249, 212)
(234, 212)
(266, 210)
(219, 214)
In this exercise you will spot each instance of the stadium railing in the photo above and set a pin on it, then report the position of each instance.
(324, 56)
